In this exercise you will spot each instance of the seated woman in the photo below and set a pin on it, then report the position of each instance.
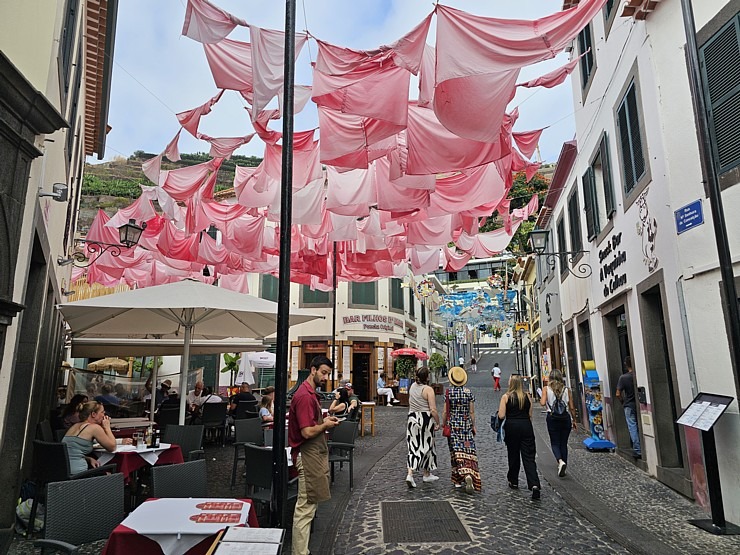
(94, 426)
(340, 405)
(70, 414)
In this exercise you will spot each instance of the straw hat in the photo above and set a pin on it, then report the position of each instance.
(458, 376)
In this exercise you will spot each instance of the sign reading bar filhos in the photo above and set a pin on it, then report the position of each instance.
(374, 321)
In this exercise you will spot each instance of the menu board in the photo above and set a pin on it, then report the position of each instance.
(704, 411)
(381, 357)
(346, 361)
(295, 362)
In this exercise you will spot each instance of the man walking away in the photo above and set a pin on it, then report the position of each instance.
(626, 394)
(496, 373)
(307, 439)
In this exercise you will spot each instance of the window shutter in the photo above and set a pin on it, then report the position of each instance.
(589, 203)
(574, 218)
(626, 144)
(720, 67)
(635, 138)
(606, 172)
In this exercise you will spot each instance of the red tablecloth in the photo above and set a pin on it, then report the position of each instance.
(129, 462)
(124, 540)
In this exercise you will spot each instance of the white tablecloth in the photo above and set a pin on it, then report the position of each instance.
(149, 455)
(167, 522)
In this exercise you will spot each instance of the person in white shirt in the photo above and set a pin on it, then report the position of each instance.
(496, 373)
(387, 391)
(195, 398)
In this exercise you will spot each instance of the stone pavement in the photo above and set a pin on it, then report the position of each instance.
(604, 504)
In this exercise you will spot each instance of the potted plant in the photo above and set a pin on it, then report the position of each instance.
(231, 365)
(405, 369)
(436, 364)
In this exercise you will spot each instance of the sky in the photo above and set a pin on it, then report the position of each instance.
(158, 72)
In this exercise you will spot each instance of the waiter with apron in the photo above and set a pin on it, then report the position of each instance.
(307, 439)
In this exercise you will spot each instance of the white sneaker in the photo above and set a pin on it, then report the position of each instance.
(561, 468)
(430, 478)
(468, 484)
(410, 481)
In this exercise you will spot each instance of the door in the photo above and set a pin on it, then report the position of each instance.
(361, 375)
(617, 344)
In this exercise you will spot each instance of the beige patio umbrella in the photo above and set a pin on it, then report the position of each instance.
(109, 363)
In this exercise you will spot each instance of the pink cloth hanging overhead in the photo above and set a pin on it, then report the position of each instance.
(488, 244)
(426, 77)
(209, 252)
(527, 141)
(307, 203)
(554, 78)
(322, 229)
(190, 119)
(301, 96)
(181, 184)
(459, 192)
(424, 261)
(244, 187)
(479, 58)
(431, 232)
(231, 64)
(172, 150)
(152, 168)
(207, 23)
(100, 230)
(268, 57)
(224, 147)
(169, 207)
(350, 193)
(235, 282)
(177, 244)
(245, 235)
(455, 261)
(433, 149)
(140, 210)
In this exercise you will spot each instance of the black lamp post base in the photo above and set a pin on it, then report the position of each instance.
(707, 524)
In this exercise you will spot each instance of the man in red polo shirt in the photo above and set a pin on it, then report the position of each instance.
(310, 453)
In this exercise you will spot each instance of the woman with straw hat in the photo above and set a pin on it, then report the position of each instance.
(459, 415)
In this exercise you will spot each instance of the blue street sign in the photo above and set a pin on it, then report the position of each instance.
(689, 216)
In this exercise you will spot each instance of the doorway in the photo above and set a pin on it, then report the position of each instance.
(361, 375)
(570, 346)
(616, 339)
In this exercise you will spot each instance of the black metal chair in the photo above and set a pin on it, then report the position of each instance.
(245, 431)
(342, 447)
(64, 529)
(51, 464)
(258, 485)
(180, 480)
(214, 418)
(189, 438)
(246, 409)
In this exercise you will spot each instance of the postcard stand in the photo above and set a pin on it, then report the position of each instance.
(702, 414)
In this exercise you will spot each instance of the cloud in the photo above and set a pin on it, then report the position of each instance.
(158, 72)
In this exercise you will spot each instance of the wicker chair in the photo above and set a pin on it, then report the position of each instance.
(214, 418)
(342, 447)
(167, 416)
(189, 438)
(245, 431)
(180, 480)
(246, 409)
(51, 464)
(44, 431)
(64, 529)
(258, 486)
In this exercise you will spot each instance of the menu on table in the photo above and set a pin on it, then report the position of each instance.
(240, 548)
(253, 541)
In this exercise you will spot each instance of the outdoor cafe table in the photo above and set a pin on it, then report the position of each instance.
(175, 526)
(128, 459)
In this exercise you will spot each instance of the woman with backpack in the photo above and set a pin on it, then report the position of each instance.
(559, 402)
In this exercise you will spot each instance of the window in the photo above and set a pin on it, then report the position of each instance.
(574, 219)
(269, 287)
(562, 246)
(453, 276)
(412, 305)
(73, 128)
(598, 191)
(720, 70)
(315, 297)
(609, 15)
(363, 295)
(630, 140)
(396, 295)
(67, 42)
(587, 62)
(423, 315)
(473, 274)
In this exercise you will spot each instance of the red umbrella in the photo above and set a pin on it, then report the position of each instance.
(409, 352)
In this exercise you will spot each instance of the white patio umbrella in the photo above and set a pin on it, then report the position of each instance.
(188, 309)
(262, 359)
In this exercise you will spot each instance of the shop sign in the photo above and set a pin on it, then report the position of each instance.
(611, 258)
(374, 321)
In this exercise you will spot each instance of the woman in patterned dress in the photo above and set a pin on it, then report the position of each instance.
(422, 422)
(459, 414)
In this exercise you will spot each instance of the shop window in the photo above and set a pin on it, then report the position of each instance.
(67, 42)
(396, 295)
(363, 295)
(720, 73)
(598, 191)
(314, 297)
(574, 222)
(269, 287)
(587, 63)
(412, 304)
(562, 246)
(630, 140)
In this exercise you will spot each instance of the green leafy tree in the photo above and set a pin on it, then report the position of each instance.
(405, 366)
(231, 365)
(436, 363)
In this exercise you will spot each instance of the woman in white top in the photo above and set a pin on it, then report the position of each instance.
(561, 416)
(422, 422)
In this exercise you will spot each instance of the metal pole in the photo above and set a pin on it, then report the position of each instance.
(334, 317)
(278, 516)
(715, 195)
